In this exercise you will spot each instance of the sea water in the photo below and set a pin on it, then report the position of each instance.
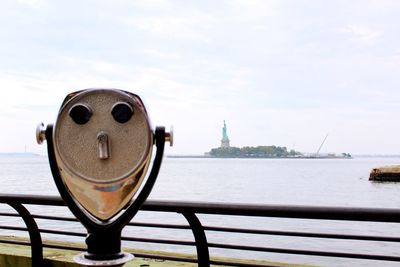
(316, 182)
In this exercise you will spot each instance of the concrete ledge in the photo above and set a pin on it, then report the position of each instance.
(20, 256)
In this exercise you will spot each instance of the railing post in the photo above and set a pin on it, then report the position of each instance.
(34, 234)
(203, 255)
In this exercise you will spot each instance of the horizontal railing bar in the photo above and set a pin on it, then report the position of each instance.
(231, 230)
(71, 219)
(302, 234)
(159, 241)
(133, 239)
(57, 232)
(239, 264)
(64, 247)
(37, 216)
(9, 214)
(15, 242)
(54, 218)
(281, 211)
(124, 238)
(165, 257)
(32, 199)
(157, 225)
(306, 252)
(46, 231)
(15, 228)
(139, 224)
(221, 229)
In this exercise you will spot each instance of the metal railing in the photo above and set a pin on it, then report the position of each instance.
(192, 212)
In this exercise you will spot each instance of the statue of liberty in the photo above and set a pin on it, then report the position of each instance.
(224, 134)
(225, 139)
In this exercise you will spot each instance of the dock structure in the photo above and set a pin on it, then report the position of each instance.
(385, 174)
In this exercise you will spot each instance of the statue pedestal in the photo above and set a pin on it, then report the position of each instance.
(225, 142)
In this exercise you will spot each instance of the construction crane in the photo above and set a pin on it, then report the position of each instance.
(316, 154)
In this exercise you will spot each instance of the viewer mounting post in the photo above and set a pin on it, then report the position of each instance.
(99, 151)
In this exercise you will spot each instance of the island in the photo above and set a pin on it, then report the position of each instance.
(262, 151)
(254, 152)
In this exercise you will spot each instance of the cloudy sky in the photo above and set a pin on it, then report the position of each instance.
(279, 72)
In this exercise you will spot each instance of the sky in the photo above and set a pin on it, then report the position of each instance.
(283, 73)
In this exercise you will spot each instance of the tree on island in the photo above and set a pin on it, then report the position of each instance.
(225, 150)
(254, 152)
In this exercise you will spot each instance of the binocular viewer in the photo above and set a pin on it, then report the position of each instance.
(99, 150)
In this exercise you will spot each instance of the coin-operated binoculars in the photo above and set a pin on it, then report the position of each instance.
(99, 151)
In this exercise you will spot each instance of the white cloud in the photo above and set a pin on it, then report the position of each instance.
(363, 34)
(251, 10)
(151, 4)
(94, 66)
(162, 55)
(31, 3)
(177, 27)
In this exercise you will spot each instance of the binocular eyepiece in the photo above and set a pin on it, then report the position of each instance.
(99, 151)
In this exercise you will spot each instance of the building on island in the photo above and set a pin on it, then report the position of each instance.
(225, 139)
